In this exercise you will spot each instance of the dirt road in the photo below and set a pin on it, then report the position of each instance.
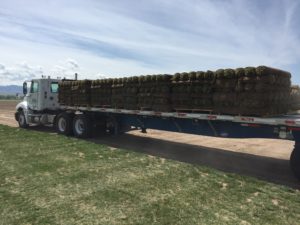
(7, 110)
(262, 158)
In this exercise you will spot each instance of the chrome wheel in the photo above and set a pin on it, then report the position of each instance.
(22, 120)
(62, 124)
(79, 126)
(82, 126)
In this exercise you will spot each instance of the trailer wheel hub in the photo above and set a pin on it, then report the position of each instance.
(22, 118)
(79, 126)
(62, 124)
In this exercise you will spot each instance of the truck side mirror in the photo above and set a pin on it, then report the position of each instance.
(24, 88)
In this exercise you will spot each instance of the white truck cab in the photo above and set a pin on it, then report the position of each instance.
(40, 104)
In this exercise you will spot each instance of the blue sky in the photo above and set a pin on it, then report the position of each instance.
(122, 38)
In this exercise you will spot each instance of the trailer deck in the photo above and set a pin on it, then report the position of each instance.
(292, 120)
(282, 127)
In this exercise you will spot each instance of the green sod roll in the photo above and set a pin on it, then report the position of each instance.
(148, 78)
(184, 76)
(219, 74)
(209, 75)
(240, 72)
(167, 77)
(265, 71)
(200, 75)
(135, 79)
(192, 76)
(159, 78)
(153, 78)
(229, 73)
(250, 71)
(176, 77)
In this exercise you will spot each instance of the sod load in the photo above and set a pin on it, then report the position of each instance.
(117, 100)
(81, 93)
(250, 91)
(155, 93)
(101, 93)
(262, 91)
(224, 92)
(146, 87)
(181, 91)
(130, 92)
(202, 90)
(192, 91)
(64, 94)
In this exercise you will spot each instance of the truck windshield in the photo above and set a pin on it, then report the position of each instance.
(54, 87)
(34, 87)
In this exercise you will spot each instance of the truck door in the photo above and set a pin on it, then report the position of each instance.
(34, 95)
(51, 98)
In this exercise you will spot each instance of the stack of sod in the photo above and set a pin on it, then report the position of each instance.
(101, 93)
(192, 91)
(295, 98)
(146, 87)
(64, 94)
(161, 93)
(201, 90)
(131, 88)
(181, 92)
(224, 93)
(117, 92)
(262, 91)
(154, 93)
(80, 92)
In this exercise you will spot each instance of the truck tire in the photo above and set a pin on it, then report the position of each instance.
(82, 126)
(22, 119)
(63, 123)
(295, 161)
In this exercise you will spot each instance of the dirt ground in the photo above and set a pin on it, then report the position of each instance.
(262, 158)
(7, 110)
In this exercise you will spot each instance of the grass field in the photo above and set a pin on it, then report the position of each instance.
(51, 179)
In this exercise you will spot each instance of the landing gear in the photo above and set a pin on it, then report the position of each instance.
(64, 123)
(295, 160)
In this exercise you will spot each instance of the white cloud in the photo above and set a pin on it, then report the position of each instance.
(73, 64)
(66, 68)
(23, 71)
(19, 72)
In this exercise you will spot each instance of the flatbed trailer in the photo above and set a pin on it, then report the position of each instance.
(227, 126)
(41, 106)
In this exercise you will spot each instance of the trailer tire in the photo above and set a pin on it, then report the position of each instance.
(82, 126)
(22, 119)
(63, 123)
(295, 161)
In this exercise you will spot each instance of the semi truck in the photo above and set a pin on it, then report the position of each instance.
(40, 106)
